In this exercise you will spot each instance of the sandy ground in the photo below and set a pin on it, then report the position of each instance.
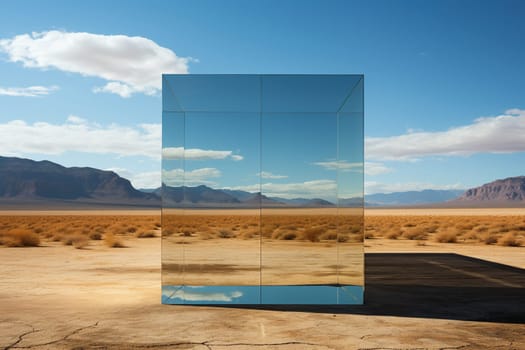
(57, 297)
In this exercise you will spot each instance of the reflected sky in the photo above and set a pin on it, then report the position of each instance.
(291, 134)
(304, 294)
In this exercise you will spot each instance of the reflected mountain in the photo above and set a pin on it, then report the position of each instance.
(206, 197)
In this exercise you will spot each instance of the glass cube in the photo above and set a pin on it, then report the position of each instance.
(262, 189)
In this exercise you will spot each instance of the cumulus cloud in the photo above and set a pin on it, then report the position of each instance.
(501, 134)
(129, 64)
(371, 168)
(149, 179)
(179, 177)
(342, 165)
(268, 175)
(78, 135)
(311, 189)
(378, 187)
(31, 91)
(177, 153)
(374, 168)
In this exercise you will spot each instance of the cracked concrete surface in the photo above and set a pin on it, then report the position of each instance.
(59, 298)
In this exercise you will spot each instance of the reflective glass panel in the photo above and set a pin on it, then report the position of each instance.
(262, 189)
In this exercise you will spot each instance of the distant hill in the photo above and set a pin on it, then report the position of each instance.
(509, 191)
(411, 197)
(196, 196)
(204, 196)
(305, 202)
(44, 183)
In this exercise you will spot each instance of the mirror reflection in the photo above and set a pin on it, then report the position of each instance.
(262, 191)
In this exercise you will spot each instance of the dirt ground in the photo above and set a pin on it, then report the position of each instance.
(432, 297)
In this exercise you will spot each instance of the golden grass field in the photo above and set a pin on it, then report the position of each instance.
(75, 230)
(500, 230)
(80, 228)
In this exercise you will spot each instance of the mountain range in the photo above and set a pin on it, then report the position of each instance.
(26, 183)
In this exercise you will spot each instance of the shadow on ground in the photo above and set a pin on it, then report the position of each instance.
(435, 285)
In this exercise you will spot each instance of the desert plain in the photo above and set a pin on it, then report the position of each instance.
(434, 279)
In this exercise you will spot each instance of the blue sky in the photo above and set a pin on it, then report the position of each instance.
(444, 91)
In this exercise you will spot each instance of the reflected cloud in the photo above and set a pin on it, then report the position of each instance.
(179, 177)
(178, 153)
(200, 296)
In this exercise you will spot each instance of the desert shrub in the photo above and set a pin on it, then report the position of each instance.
(79, 241)
(431, 228)
(312, 234)
(342, 238)
(112, 241)
(96, 236)
(251, 233)
(509, 240)
(225, 233)
(465, 226)
(416, 233)
(356, 228)
(446, 237)
(329, 236)
(280, 233)
(489, 238)
(289, 236)
(470, 235)
(393, 234)
(369, 234)
(20, 238)
(146, 234)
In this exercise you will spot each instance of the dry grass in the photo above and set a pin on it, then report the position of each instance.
(20, 237)
(309, 228)
(112, 241)
(81, 230)
(74, 230)
(469, 229)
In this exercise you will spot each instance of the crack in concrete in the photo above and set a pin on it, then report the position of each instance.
(264, 344)
(210, 345)
(454, 347)
(383, 348)
(443, 348)
(21, 337)
(76, 331)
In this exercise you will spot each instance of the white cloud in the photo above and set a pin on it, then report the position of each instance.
(378, 187)
(179, 177)
(371, 168)
(309, 189)
(342, 165)
(177, 153)
(268, 175)
(501, 134)
(129, 64)
(114, 87)
(374, 168)
(31, 91)
(150, 179)
(78, 135)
